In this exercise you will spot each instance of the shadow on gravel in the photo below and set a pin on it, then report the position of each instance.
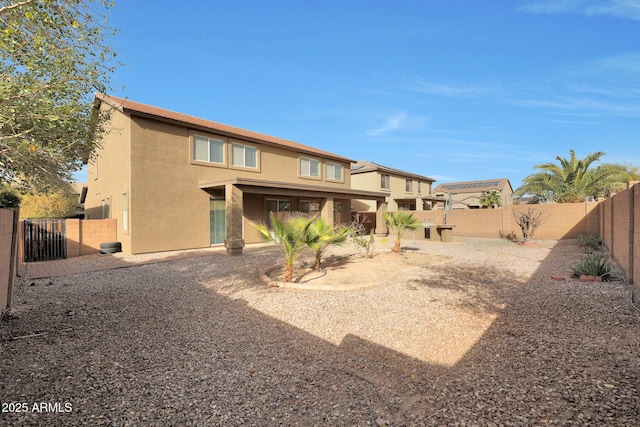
(482, 289)
(151, 346)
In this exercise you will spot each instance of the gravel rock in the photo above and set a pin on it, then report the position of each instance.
(485, 338)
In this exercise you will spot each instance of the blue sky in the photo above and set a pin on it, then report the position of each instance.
(454, 90)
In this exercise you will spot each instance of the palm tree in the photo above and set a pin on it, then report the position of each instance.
(292, 233)
(400, 222)
(490, 198)
(573, 180)
(321, 235)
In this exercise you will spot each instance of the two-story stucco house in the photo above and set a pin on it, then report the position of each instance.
(403, 190)
(174, 181)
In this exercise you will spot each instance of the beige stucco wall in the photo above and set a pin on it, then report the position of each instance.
(167, 208)
(109, 176)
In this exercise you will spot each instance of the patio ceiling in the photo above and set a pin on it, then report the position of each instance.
(256, 186)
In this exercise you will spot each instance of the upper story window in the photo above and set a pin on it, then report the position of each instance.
(419, 187)
(208, 149)
(408, 186)
(244, 155)
(385, 182)
(334, 171)
(309, 167)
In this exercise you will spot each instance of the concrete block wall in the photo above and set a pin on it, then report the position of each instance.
(564, 221)
(84, 236)
(8, 255)
(620, 231)
(635, 275)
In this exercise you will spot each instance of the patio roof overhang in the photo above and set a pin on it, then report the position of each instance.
(275, 188)
(425, 198)
(434, 199)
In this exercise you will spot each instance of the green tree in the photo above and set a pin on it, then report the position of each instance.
(490, 198)
(400, 222)
(293, 233)
(62, 204)
(53, 56)
(9, 198)
(572, 180)
(322, 235)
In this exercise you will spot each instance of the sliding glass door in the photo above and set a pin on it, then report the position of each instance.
(217, 216)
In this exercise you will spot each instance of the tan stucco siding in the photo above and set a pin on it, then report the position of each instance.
(397, 190)
(365, 181)
(253, 214)
(169, 211)
(109, 175)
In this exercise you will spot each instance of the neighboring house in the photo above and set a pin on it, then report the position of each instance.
(403, 190)
(466, 194)
(175, 181)
(80, 189)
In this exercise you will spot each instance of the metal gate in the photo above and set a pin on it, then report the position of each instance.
(45, 239)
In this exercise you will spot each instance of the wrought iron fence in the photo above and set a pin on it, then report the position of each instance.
(44, 239)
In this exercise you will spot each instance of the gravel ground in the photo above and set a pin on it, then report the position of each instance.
(473, 332)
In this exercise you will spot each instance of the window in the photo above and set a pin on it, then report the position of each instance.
(244, 155)
(419, 187)
(408, 186)
(278, 207)
(208, 149)
(106, 208)
(309, 167)
(311, 207)
(385, 182)
(125, 212)
(334, 171)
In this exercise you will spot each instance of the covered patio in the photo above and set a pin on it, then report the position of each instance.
(249, 201)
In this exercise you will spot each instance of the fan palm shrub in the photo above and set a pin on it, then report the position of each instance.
(321, 235)
(293, 234)
(400, 222)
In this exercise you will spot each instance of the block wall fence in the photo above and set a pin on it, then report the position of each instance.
(8, 255)
(562, 221)
(620, 231)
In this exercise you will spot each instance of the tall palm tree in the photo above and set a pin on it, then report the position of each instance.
(573, 179)
(292, 233)
(490, 198)
(321, 235)
(400, 222)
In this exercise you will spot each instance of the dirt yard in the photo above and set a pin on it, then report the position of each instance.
(473, 332)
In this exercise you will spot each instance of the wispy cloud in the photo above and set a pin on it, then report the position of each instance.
(457, 90)
(395, 121)
(624, 9)
(609, 85)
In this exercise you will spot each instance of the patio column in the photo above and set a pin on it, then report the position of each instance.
(381, 225)
(326, 212)
(234, 216)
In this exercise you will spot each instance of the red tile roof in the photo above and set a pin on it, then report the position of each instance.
(144, 110)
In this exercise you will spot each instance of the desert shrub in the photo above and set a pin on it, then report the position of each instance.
(529, 221)
(509, 236)
(365, 243)
(590, 242)
(595, 264)
(9, 199)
